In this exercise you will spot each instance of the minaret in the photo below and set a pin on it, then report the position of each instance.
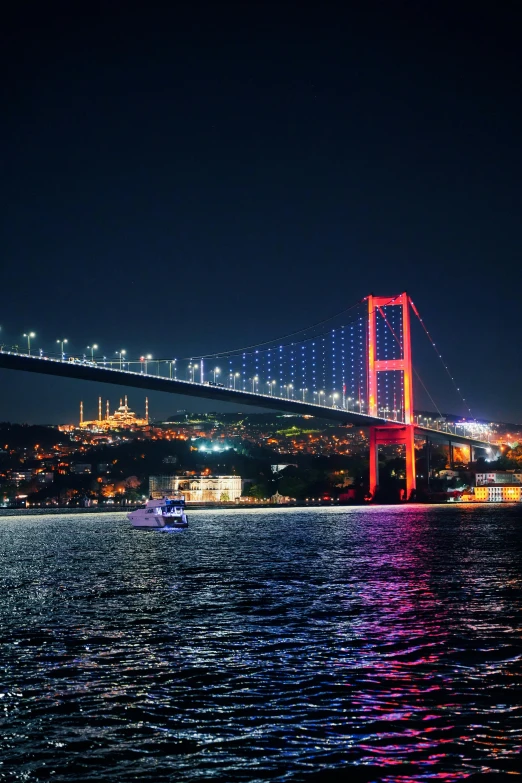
(126, 405)
(121, 402)
(81, 412)
(107, 410)
(147, 409)
(99, 408)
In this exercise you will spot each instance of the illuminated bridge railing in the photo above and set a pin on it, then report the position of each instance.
(184, 386)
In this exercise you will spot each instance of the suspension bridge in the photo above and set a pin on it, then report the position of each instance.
(355, 368)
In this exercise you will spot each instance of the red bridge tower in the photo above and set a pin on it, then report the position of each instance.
(400, 433)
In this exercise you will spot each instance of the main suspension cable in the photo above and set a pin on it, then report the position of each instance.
(390, 327)
(432, 341)
(247, 348)
(276, 340)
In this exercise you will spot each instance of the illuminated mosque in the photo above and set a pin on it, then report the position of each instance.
(122, 418)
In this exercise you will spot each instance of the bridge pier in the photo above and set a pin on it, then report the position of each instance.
(374, 462)
(389, 434)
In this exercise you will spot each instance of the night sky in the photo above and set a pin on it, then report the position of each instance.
(187, 180)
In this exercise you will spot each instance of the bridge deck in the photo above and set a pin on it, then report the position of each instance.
(89, 371)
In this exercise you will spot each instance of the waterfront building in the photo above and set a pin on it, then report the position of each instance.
(198, 489)
(499, 493)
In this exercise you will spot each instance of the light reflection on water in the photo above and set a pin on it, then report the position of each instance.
(263, 645)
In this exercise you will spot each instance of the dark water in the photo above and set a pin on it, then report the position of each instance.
(359, 644)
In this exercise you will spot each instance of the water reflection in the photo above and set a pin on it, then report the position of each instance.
(263, 646)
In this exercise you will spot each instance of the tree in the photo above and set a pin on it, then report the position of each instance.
(514, 456)
(66, 495)
(292, 487)
(259, 491)
(8, 492)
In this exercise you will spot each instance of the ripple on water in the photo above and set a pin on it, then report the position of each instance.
(383, 644)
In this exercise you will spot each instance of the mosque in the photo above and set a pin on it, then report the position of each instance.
(122, 418)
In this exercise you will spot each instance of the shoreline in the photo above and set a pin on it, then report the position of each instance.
(130, 507)
(63, 510)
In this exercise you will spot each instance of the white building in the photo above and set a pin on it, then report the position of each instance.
(498, 477)
(499, 493)
(198, 489)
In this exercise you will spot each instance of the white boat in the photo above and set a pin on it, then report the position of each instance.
(167, 513)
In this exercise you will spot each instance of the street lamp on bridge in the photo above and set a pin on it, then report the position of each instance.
(215, 372)
(233, 376)
(61, 343)
(92, 348)
(145, 360)
(121, 354)
(192, 370)
(29, 335)
(254, 381)
(304, 393)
